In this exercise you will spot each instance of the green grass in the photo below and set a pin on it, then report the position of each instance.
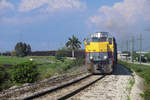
(128, 98)
(47, 66)
(131, 83)
(8, 60)
(129, 88)
(144, 72)
(11, 60)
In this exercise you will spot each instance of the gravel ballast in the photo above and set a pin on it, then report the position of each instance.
(112, 87)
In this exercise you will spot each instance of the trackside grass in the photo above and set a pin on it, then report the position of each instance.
(16, 60)
(11, 60)
(144, 72)
(46, 66)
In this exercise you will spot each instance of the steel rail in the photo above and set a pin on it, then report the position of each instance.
(79, 89)
(54, 89)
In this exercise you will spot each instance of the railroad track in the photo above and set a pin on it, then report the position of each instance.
(29, 89)
(66, 90)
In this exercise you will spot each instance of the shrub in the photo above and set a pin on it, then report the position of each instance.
(2, 76)
(13, 53)
(4, 79)
(67, 64)
(2, 73)
(22, 49)
(24, 73)
(138, 69)
(79, 61)
(146, 95)
(60, 54)
(146, 75)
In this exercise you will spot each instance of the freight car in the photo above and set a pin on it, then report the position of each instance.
(100, 53)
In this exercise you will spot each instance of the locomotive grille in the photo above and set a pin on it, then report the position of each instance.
(97, 56)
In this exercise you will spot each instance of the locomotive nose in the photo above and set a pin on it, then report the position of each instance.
(101, 52)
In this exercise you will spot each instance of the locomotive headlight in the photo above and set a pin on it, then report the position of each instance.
(105, 57)
(91, 57)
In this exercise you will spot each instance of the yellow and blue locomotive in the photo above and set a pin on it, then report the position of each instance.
(101, 53)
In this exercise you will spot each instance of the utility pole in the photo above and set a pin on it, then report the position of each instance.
(127, 49)
(140, 39)
(132, 48)
(121, 46)
(127, 44)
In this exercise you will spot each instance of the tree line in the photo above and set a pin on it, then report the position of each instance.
(22, 49)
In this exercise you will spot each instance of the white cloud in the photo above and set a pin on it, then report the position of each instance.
(5, 6)
(22, 20)
(16, 20)
(123, 17)
(49, 5)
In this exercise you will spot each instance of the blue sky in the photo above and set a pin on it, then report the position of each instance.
(47, 24)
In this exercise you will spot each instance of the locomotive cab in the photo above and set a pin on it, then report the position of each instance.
(99, 48)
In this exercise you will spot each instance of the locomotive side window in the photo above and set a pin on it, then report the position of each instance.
(88, 41)
(94, 39)
(110, 40)
(103, 39)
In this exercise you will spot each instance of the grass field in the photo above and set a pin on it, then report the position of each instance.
(144, 72)
(15, 60)
(11, 60)
(47, 66)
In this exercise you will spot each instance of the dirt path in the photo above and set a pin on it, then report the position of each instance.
(112, 87)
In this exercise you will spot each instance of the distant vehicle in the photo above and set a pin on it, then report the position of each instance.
(101, 53)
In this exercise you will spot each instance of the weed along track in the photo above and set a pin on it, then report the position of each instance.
(66, 90)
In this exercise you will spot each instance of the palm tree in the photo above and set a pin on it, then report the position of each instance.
(73, 43)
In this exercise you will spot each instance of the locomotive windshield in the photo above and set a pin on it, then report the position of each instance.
(94, 39)
(99, 37)
(102, 39)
